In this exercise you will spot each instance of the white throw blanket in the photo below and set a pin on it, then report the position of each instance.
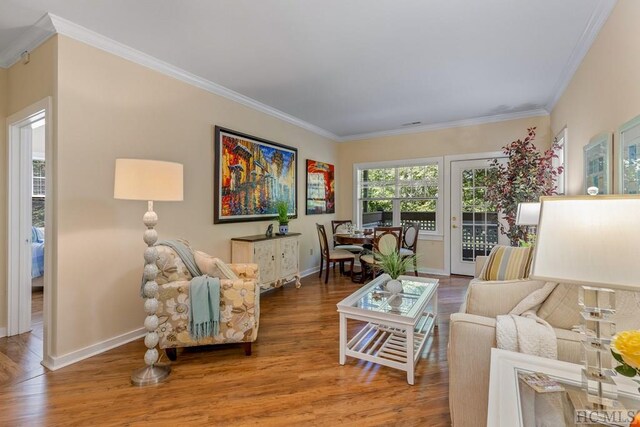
(523, 331)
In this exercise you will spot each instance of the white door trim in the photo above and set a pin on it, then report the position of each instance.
(447, 192)
(14, 245)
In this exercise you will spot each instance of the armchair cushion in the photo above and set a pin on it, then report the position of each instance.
(507, 263)
(213, 267)
(170, 266)
(493, 298)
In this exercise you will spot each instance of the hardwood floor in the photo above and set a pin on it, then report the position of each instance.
(20, 355)
(292, 378)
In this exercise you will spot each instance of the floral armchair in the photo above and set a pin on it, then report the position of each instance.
(239, 305)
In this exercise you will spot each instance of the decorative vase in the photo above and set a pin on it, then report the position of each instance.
(394, 286)
(284, 228)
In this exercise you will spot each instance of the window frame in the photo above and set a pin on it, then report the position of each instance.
(562, 182)
(437, 234)
(34, 177)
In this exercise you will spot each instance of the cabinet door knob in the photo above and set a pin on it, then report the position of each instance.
(273, 258)
(282, 254)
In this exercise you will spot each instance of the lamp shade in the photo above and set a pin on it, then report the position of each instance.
(528, 214)
(137, 179)
(589, 240)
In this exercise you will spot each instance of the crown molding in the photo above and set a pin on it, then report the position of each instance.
(596, 22)
(447, 125)
(31, 38)
(87, 36)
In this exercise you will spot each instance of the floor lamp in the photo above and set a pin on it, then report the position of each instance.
(149, 180)
(591, 241)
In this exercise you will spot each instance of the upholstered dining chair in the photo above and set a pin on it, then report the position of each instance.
(385, 241)
(327, 255)
(410, 243)
(341, 226)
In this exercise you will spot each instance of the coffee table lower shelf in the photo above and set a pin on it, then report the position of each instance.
(387, 345)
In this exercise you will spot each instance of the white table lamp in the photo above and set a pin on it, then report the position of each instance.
(593, 241)
(149, 180)
(528, 214)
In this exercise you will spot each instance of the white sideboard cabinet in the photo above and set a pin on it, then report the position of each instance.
(277, 257)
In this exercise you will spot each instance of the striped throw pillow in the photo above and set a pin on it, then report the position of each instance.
(507, 263)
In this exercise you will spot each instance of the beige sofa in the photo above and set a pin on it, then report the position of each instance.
(472, 335)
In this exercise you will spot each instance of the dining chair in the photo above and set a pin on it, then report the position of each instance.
(341, 226)
(327, 255)
(410, 242)
(386, 240)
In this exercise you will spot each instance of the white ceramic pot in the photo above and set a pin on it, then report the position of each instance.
(284, 228)
(394, 286)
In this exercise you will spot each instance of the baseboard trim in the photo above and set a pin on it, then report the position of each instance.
(434, 271)
(309, 271)
(3, 332)
(57, 362)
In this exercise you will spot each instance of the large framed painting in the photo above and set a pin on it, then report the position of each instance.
(628, 157)
(250, 175)
(320, 188)
(597, 163)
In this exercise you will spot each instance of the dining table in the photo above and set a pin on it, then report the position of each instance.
(360, 239)
(353, 238)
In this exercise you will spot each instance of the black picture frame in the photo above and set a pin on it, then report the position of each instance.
(250, 174)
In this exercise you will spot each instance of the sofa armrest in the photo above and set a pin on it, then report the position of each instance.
(245, 271)
(490, 299)
(470, 341)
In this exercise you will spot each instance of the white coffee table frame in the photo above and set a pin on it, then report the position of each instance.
(504, 397)
(393, 340)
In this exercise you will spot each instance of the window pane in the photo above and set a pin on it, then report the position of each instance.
(467, 178)
(480, 177)
(377, 191)
(377, 213)
(422, 212)
(369, 175)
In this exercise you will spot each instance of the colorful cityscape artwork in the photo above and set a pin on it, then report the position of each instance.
(320, 188)
(251, 175)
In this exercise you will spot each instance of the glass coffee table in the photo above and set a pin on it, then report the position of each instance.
(514, 403)
(397, 325)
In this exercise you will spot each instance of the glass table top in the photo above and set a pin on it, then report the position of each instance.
(557, 408)
(378, 299)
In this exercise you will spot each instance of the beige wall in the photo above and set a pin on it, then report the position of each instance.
(604, 92)
(109, 108)
(462, 140)
(20, 86)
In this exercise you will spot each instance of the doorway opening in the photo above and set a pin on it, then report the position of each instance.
(474, 229)
(28, 203)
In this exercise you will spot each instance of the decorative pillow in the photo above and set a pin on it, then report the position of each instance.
(213, 266)
(561, 309)
(507, 263)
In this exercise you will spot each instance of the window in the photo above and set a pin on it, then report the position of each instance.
(561, 139)
(392, 194)
(38, 189)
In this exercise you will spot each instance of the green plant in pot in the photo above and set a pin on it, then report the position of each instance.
(395, 266)
(282, 208)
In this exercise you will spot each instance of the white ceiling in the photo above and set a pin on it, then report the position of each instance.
(353, 67)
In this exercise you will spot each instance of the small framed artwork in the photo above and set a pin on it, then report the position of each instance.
(250, 175)
(628, 157)
(320, 188)
(597, 163)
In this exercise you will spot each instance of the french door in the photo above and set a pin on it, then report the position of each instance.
(474, 222)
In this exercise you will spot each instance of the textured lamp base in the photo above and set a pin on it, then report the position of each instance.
(150, 375)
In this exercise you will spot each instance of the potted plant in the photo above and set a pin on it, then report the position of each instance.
(527, 175)
(394, 265)
(282, 208)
